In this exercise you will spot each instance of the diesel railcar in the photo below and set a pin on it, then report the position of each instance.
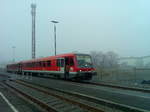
(68, 66)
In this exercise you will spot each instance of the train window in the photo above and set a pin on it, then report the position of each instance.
(49, 63)
(40, 64)
(71, 62)
(66, 60)
(44, 64)
(61, 62)
(29, 64)
(58, 62)
(33, 64)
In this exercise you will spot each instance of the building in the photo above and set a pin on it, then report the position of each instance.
(135, 61)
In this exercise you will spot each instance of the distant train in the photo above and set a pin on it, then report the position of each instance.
(67, 66)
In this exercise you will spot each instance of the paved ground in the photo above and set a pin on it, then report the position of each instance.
(10, 102)
(132, 98)
(4, 107)
(139, 101)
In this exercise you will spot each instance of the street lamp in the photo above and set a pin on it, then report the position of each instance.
(13, 48)
(55, 33)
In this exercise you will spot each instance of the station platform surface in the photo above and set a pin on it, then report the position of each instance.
(11, 102)
(4, 107)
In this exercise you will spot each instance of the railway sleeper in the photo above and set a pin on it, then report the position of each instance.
(52, 105)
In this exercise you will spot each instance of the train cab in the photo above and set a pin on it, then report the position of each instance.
(85, 68)
(78, 66)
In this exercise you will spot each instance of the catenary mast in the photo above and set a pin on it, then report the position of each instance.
(33, 13)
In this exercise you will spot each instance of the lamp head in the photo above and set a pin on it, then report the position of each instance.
(54, 21)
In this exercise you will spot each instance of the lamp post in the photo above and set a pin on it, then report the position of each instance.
(55, 34)
(13, 48)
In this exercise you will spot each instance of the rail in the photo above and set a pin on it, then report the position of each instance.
(110, 104)
(74, 104)
(106, 85)
(121, 87)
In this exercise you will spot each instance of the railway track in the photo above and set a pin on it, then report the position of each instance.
(101, 102)
(53, 100)
(104, 105)
(105, 85)
(121, 87)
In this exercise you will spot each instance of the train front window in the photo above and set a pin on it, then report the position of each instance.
(84, 61)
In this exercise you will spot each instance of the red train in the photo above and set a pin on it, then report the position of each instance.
(68, 66)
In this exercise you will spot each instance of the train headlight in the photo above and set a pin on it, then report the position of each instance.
(79, 71)
(71, 68)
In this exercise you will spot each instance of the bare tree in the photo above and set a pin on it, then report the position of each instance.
(98, 58)
(105, 60)
(112, 59)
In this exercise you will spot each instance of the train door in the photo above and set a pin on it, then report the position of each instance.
(66, 69)
(20, 68)
(61, 65)
(43, 66)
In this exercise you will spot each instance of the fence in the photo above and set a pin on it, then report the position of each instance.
(134, 76)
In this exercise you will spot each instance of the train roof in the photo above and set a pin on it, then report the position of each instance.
(49, 57)
(52, 57)
(13, 63)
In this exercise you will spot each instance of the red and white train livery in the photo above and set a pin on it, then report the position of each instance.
(68, 66)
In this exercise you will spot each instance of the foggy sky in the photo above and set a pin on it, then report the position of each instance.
(122, 26)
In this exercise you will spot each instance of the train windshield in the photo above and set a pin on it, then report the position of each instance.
(84, 61)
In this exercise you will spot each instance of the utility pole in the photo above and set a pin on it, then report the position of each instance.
(55, 34)
(33, 13)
